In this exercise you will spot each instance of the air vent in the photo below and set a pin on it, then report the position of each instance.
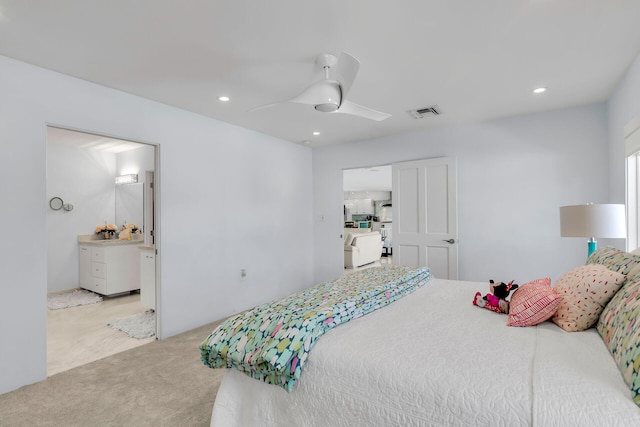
(421, 113)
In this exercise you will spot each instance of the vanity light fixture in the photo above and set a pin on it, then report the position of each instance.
(131, 178)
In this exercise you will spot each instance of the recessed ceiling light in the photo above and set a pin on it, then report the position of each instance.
(306, 141)
(223, 98)
(316, 133)
(539, 89)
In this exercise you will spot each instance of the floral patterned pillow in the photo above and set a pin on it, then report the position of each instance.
(533, 303)
(585, 292)
(620, 330)
(615, 260)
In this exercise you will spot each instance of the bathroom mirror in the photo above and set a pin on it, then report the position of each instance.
(129, 204)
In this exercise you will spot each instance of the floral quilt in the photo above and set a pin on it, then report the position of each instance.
(271, 342)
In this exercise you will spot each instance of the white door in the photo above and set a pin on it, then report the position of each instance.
(425, 220)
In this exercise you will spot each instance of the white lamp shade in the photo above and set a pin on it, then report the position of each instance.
(605, 220)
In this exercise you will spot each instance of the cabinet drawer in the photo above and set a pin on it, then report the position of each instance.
(99, 270)
(97, 254)
(99, 285)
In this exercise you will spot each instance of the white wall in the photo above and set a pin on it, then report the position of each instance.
(229, 199)
(84, 179)
(513, 175)
(623, 105)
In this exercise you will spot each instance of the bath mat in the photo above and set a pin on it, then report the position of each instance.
(72, 299)
(138, 326)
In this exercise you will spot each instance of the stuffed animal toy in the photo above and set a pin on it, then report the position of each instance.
(497, 299)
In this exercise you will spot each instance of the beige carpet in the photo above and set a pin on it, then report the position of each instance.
(163, 383)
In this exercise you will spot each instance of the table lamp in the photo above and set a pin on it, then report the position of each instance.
(589, 220)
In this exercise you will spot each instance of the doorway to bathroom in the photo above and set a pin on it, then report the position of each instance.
(101, 245)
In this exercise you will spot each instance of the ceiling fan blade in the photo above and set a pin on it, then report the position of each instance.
(322, 92)
(261, 107)
(346, 70)
(348, 107)
(324, 95)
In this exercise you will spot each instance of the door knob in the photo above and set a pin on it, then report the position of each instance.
(450, 241)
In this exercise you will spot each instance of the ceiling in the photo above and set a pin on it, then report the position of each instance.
(476, 60)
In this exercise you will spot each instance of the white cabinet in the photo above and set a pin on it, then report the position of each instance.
(360, 206)
(109, 270)
(148, 277)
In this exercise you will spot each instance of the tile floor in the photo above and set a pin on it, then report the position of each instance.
(384, 261)
(79, 335)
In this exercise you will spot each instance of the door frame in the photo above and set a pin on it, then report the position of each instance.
(156, 195)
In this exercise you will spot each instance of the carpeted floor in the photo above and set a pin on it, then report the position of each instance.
(163, 383)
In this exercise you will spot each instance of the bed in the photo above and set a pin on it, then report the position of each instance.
(433, 358)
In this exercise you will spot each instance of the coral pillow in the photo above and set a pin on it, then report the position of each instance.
(533, 303)
(585, 292)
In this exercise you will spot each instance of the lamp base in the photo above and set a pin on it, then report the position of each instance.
(592, 245)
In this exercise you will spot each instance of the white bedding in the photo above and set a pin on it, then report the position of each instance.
(433, 358)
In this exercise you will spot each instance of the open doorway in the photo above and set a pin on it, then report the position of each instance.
(367, 213)
(97, 182)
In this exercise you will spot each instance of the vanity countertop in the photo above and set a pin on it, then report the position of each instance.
(91, 239)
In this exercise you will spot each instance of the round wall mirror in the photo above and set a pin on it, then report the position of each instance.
(56, 203)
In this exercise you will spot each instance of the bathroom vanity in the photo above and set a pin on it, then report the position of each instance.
(109, 267)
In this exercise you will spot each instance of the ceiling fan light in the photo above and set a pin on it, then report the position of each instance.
(327, 108)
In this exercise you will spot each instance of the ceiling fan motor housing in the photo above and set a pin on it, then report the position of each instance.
(327, 108)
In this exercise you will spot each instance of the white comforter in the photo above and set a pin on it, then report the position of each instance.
(434, 359)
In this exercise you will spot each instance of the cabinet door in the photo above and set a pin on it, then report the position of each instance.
(84, 261)
(148, 278)
(351, 205)
(123, 268)
(365, 206)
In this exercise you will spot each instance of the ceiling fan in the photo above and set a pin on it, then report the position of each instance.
(329, 94)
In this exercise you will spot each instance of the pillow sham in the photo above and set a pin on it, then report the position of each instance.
(620, 331)
(585, 291)
(615, 260)
(533, 303)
